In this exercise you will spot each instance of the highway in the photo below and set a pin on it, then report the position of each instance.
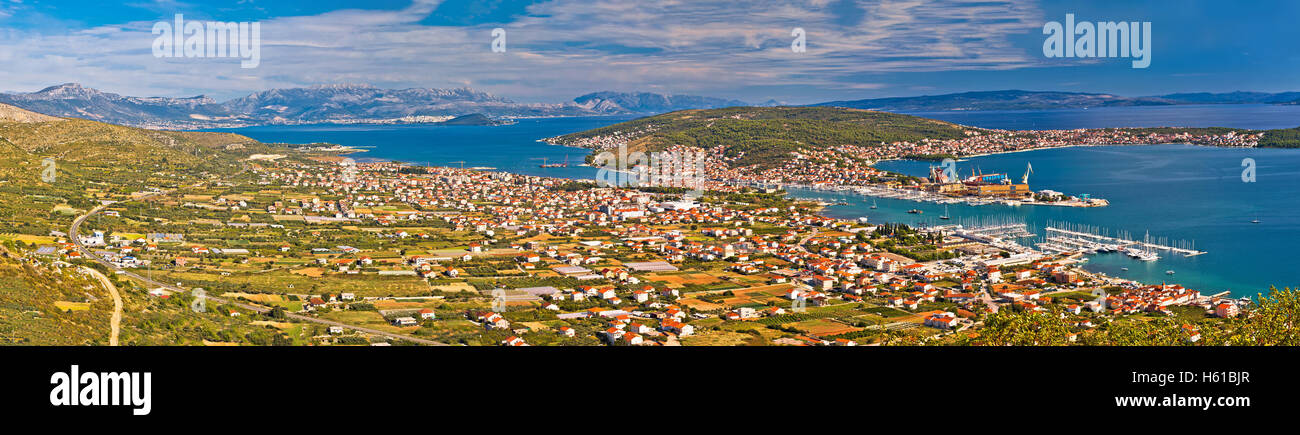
(76, 240)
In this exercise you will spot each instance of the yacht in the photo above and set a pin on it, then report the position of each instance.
(915, 211)
(945, 214)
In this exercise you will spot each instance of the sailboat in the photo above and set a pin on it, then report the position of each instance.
(945, 214)
(873, 203)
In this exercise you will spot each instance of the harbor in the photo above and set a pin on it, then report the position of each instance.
(943, 187)
(1069, 237)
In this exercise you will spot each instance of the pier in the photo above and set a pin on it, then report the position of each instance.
(1091, 238)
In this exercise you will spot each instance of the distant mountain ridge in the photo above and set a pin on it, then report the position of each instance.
(1043, 100)
(649, 103)
(74, 101)
(366, 104)
(337, 103)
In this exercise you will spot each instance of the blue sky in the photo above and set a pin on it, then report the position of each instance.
(559, 49)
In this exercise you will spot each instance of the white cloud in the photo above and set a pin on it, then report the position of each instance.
(563, 49)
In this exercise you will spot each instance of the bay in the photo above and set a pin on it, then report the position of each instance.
(1173, 191)
(510, 148)
(1180, 192)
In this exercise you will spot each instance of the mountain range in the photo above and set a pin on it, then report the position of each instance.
(365, 104)
(648, 103)
(1045, 100)
(344, 103)
(317, 104)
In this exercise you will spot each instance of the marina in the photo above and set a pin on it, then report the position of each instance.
(1093, 239)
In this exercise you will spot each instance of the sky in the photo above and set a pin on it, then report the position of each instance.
(556, 50)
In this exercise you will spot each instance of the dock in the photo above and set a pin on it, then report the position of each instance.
(1089, 237)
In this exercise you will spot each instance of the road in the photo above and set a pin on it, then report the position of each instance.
(116, 323)
(806, 239)
(76, 240)
(988, 300)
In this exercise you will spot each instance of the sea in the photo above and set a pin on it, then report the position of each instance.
(1184, 194)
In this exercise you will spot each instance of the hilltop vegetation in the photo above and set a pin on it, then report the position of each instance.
(1281, 138)
(1271, 323)
(764, 135)
(13, 114)
(93, 161)
(46, 306)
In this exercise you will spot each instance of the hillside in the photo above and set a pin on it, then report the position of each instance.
(764, 135)
(475, 119)
(13, 114)
(92, 161)
(1281, 138)
(44, 303)
(50, 306)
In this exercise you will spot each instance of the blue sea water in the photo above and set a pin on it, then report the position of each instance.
(510, 148)
(1180, 192)
(1173, 191)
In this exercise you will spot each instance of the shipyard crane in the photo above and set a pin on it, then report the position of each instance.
(462, 163)
(1029, 168)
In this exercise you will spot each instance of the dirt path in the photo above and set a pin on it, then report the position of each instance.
(116, 323)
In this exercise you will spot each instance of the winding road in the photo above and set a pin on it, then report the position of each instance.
(76, 240)
(116, 323)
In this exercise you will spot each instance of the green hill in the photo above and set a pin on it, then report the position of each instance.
(765, 135)
(1281, 138)
(93, 161)
(41, 305)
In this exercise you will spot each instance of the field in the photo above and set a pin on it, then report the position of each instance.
(699, 305)
(72, 306)
(758, 295)
(26, 238)
(679, 280)
(288, 282)
(454, 287)
(822, 327)
(717, 338)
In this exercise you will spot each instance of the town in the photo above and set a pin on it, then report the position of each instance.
(470, 257)
(850, 166)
